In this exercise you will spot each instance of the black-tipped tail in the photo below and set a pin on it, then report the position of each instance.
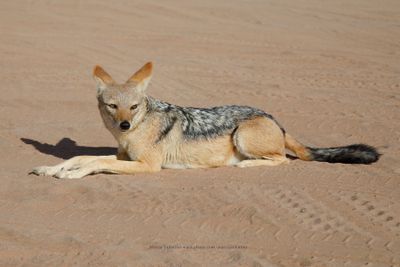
(352, 154)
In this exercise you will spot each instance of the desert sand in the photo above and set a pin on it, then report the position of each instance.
(329, 71)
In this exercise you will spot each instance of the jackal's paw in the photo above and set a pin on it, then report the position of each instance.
(243, 164)
(44, 170)
(70, 174)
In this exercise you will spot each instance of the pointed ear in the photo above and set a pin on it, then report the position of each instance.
(142, 77)
(103, 79)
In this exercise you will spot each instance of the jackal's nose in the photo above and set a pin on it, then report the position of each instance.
(125, 125)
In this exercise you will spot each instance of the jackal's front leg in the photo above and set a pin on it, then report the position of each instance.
(70, 164)
(107, 165)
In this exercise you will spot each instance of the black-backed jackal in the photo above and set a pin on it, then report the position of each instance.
(152, 135)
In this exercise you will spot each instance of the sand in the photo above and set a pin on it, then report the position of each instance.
(329, 71)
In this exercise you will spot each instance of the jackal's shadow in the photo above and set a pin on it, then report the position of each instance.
(67, 148)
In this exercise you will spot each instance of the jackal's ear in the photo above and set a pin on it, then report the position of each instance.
(102, 78)
(142, 77)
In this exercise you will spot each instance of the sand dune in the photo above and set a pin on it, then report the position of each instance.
(327, 70)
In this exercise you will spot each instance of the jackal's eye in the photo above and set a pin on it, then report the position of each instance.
(112, 106)
(133, 107)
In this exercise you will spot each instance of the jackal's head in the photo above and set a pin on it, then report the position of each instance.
(122, 106)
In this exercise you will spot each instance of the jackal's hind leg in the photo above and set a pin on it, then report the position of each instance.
(262, 162)
(261, 141)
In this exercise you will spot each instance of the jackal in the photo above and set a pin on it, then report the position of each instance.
(153, 134)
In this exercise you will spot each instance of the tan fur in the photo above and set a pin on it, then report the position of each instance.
(301, 151)
(255, 142)
(102, 74)
(260, 138)
(197, 154)
(262, 162)
(142, 74)
(123, 115)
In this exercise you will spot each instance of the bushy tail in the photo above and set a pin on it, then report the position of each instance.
(352, 154)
